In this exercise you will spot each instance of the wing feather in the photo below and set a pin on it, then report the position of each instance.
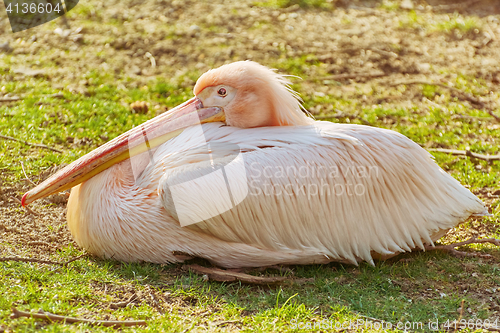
(341, 191)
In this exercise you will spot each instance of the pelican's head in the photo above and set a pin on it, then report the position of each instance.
(251, 95)
(242, 94)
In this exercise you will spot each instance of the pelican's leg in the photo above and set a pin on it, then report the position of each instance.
(280, 268)
(450, 248)
(383, 257)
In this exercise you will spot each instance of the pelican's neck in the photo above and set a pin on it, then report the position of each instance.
(103, 211)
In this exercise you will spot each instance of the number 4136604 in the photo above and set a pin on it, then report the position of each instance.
(33, 8)
(472, 324)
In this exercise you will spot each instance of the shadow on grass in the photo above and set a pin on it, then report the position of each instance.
(414, 287)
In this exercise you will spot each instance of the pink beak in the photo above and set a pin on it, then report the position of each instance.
(139, 139)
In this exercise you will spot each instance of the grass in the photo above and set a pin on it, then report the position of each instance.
(427, 290)
(446, 24)
(414, 291)
(460, 23)
(390, 292)
(389, 5)
(413, 20)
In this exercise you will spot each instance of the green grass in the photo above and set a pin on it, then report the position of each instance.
(392, 292)
(389, 5)
(295, 66)
(460, 23)
(445, 24)
(413, 20)
(413, 288)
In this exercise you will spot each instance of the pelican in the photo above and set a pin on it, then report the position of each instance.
(242, 176)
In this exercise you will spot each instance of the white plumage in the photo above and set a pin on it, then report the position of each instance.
(402, 198)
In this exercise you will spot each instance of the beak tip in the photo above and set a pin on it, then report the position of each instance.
(23, 200)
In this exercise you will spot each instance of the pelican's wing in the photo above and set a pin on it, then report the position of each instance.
(341, 191)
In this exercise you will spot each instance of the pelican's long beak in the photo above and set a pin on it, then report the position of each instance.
(138, 140)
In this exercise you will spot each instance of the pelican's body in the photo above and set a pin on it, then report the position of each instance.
(398, 198)
(307, 192)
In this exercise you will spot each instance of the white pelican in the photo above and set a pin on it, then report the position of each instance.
(242, 176)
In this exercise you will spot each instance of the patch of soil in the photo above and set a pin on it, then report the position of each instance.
(39, 233)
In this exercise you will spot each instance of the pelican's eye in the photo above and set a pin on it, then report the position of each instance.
(222, 92)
